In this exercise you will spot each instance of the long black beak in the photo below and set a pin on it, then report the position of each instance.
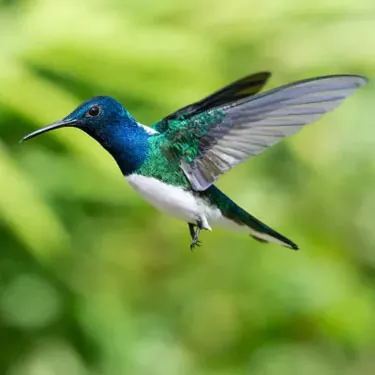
(55, 125)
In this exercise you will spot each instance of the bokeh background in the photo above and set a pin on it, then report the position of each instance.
(93, 281)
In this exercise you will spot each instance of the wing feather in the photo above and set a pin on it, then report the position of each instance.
(233, 92)
(252, 124)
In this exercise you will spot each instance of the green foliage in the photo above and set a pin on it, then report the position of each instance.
(94, 281)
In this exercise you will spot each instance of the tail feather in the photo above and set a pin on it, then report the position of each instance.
(263, 233)
(230, 210)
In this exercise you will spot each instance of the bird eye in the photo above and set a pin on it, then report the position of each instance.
(94, 110)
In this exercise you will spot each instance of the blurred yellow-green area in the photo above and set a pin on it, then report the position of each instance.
(94, 281)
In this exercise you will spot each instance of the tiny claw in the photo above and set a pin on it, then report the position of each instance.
(195, 244)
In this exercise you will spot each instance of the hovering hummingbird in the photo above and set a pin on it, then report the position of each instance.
(174, 164)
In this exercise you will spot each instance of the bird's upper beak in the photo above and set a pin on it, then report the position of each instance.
(56, 125)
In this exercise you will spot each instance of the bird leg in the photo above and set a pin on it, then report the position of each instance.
(194, 233)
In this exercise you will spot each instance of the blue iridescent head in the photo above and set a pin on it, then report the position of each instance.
(108, 122)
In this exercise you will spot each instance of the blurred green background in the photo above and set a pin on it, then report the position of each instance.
(93, 281)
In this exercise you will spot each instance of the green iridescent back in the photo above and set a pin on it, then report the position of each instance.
(179, 143)
(161, 166)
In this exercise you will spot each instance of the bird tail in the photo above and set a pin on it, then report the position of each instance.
(230, 210)
(263, 233)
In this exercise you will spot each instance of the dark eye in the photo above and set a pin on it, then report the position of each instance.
(94, 110)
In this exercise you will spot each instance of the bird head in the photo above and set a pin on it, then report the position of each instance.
(101, 117)
(109, 123)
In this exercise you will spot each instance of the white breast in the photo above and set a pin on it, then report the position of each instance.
(185, 206)
(181, 204)
(173, 200)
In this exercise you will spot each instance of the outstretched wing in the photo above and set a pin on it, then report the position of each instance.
(242, 88)
(211, 143)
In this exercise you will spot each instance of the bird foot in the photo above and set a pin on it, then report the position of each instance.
(195, 244)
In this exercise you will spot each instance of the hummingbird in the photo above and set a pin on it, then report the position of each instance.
(174, 163)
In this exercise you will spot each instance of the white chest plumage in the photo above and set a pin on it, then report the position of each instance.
(181, 204)
(170, 199)
(175, 201)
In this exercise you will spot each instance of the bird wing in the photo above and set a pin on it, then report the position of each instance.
(242, 88)
(211, 143)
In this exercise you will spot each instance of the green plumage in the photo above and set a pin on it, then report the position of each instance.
(163, 165)
(183, 136)
(179, 143)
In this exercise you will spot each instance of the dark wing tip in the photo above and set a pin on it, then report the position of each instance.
(266, 73)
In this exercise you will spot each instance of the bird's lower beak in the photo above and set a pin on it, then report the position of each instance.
(55, 125)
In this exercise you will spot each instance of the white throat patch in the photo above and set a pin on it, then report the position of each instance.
(148, 129)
